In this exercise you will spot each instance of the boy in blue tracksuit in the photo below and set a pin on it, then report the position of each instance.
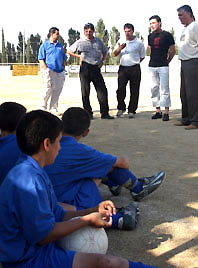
(10, 114)
(78, 168)
(31, 220)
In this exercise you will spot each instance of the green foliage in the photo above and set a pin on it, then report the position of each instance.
(139, 36)
(21, 43)
(63, 43)
(35, 43)
(114, 37)
(28, 52)
(73, 36)
(3, 52)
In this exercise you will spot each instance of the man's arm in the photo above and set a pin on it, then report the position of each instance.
(118, 50)
(171, 53)
(43, 64)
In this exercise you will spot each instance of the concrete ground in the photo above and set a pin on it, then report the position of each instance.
(167, 232)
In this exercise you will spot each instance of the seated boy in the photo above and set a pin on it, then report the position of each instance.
(77, 164)
(31, 220)
(10, 114)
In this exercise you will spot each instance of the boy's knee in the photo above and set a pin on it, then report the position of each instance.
(108, 261)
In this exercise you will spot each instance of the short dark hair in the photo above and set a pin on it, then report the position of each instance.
(89, 26)
(52, 30)
(129, 26)
(10, 114)
(187, 9)
(34, 127)
(155, 17)
(75, 121)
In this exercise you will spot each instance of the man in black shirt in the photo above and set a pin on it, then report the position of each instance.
(162, 49)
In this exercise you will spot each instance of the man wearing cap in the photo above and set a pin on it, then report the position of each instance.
(92, 54)
(188, 54)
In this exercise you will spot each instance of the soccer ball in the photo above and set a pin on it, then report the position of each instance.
(87, 239)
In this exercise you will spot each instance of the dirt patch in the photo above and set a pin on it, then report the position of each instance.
(166, 235)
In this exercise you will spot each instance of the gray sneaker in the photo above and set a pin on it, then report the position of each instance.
(119, 113)
(131, 115)
(130, 217)
(149, 185)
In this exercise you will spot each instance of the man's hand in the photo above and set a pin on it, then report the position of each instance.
(122, 46)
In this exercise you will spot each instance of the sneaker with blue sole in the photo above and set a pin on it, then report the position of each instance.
(149, 185)
(129, 218)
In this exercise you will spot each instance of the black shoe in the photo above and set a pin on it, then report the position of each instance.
(116, 190)
(130, 217)
(107, 116)
(157, 115)
(165, 117)
(149, 185)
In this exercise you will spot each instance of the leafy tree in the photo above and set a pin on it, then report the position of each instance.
(8, 52)
(114, 37)
(139, 36)
(63, 43)
(21, 43)
(13, 54)
(3, 52)
(35, 43)
(103, 34)
(73, 36)
(28, 52)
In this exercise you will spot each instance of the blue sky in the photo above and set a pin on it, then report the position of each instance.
(38, 16)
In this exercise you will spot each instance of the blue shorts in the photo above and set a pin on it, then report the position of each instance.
(49, 255)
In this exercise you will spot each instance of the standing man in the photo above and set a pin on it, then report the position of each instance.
(162, 49)
(188, 54)
(132, 52)
(52, 62)
(92, 54)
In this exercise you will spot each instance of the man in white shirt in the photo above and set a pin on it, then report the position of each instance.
(188, 54)
(132, 52)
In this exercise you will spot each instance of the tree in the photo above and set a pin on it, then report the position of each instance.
(73, 36)
(114, 37)
(172, 31)
(103, 34)
(28, 52)
(8, 52)
(13, 54)
(63, 43)
(35, 43)
(139, 36)
(20, 48)
(3, 50)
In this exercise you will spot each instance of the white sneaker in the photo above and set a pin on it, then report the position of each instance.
(131, 115)
(119, 113)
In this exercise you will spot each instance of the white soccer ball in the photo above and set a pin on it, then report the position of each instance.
(87, 239)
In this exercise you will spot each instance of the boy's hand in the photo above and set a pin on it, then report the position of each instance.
(99, 220)
(107, 207)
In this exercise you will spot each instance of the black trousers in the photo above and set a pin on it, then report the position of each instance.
(189, 91)
(91, 73)
(133, 75)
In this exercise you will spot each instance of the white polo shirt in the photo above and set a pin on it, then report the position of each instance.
(132, 53)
